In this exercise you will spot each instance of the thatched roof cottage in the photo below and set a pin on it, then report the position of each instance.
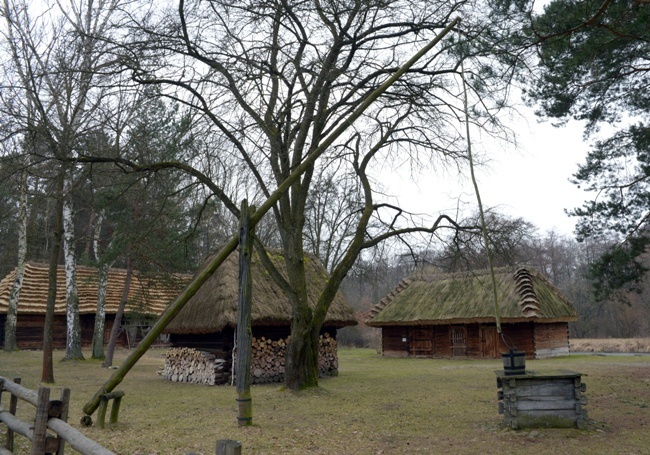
(148, 297)
(453, 315)
(209, 319)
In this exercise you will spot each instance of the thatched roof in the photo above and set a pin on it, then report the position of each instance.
(523, 295)
(214, 306)
(147, 295)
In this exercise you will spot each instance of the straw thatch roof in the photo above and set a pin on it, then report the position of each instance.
(523, 295)
(147, 295)
(214, 306)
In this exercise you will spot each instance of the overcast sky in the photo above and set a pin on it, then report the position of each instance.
(529, 181)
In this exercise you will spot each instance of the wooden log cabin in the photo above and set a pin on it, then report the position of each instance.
(147, 299)
(208, 322)
(454, 316)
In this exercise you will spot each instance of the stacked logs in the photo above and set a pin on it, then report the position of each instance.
(267, 362)
(328, 360)
(268, 358)
(198, 367)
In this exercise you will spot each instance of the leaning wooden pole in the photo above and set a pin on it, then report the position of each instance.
(244, 332)
(255, 218)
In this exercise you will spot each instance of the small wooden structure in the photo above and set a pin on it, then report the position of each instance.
(116, 396)
(453, 316)
(148, 298)
(208, 322)
(50, 415)
(549, 399)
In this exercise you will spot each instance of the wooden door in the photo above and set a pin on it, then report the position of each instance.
(489, 341)
(421, 340)
(458, 341)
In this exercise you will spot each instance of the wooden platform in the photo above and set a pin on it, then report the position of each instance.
(542, 399)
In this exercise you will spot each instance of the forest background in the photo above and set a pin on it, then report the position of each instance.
(65, 99)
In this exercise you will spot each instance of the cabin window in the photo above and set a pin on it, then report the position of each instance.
(458, 341)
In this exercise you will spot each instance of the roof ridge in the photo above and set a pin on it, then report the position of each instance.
(383, 303)
(528, 302)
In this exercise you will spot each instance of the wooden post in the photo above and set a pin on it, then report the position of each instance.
(115, 409)
(244, 333)
(13, 404)
(65, 399)
(103, 406)
(40, 422)
(228, 447)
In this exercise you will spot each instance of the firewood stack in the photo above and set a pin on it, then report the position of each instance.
(199, 367)
(268, 358)
(328, 360)
(267, 362)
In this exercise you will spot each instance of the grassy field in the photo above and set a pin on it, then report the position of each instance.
(610, 345)
(375, 406)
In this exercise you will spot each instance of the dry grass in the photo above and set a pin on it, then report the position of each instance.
(610, 345)
(376, 406)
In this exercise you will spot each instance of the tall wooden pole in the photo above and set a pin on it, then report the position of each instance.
(244, 333)
(178, 304)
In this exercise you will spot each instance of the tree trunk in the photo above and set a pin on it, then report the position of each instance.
(301, 369)
(10, 343)
(100, 313)
(102, 283)
(73, 326)
(117, 324)
(48, 365)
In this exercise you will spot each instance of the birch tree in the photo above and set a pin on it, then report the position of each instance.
(12, 307)
(58, 59)
(73, 325)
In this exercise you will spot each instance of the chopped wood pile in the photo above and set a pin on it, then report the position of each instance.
(267, 362)
(268, 357)
(198, 367)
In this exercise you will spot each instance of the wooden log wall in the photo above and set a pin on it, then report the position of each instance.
(394, 342)
(267, 362)
(29, 330)
(551, 339)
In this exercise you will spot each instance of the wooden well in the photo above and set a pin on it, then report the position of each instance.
(549, 399)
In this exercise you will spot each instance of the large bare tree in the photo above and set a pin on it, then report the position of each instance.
(277, 77)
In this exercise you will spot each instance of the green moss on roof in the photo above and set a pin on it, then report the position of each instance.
(447, 298)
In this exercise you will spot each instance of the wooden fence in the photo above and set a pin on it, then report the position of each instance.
(50, 414)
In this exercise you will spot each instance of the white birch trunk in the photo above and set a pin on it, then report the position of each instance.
(73, 332)
(10, 342)
(102, 283)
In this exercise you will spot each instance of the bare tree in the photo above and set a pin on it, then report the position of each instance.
(279, 81)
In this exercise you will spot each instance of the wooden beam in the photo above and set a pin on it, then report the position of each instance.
(244, 332)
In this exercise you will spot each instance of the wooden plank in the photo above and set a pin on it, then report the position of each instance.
(545, 389)
(546, 405)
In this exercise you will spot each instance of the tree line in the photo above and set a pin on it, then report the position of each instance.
(131, 131)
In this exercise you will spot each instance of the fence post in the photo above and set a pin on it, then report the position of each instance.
(65, 399)
(228, 447)
(13, 403)
(40, 422)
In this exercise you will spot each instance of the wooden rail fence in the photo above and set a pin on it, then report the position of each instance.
(50, 414)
